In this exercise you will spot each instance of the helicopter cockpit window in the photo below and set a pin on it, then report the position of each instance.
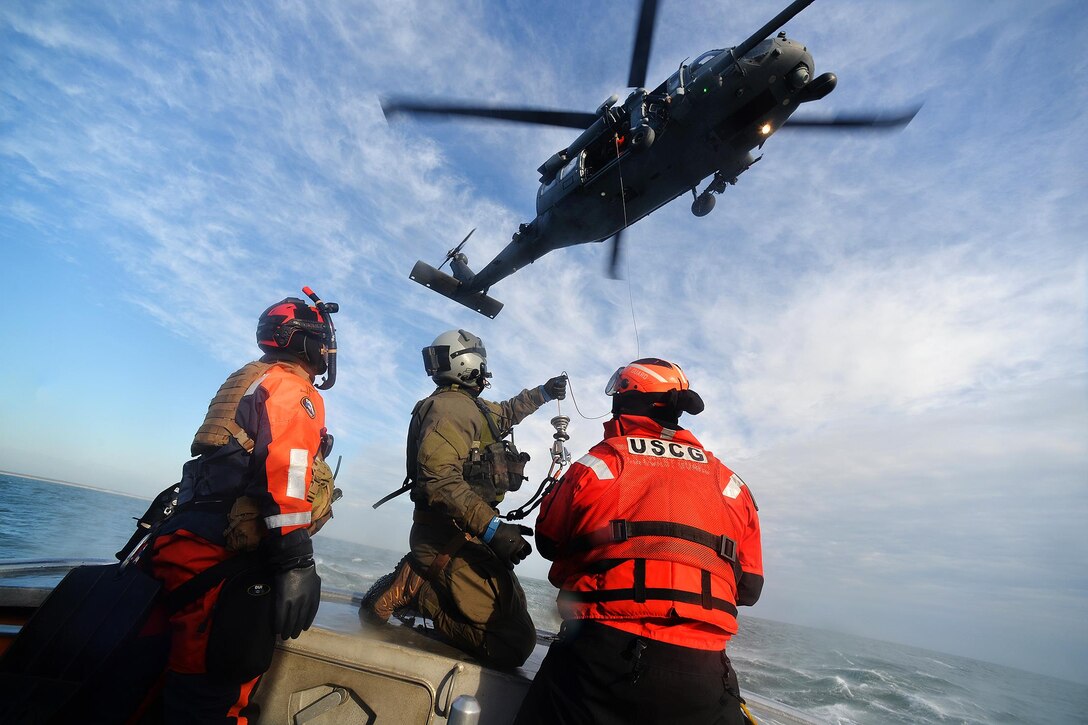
(701, 61)
(760, 52)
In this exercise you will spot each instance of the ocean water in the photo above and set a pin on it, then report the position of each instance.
(833, 677)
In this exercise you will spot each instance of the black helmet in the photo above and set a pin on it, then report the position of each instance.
(304, 331)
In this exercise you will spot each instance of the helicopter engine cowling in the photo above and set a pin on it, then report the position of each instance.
(818, 88)
(551, 167)
(608, 103)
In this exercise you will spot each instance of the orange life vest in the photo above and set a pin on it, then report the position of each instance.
(658, 541)
(289, 422)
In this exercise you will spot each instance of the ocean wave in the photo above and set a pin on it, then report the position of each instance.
(833, 677)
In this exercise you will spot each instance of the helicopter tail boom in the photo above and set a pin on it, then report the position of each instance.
(448, 286)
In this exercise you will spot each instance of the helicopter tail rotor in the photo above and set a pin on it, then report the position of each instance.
(452, 254)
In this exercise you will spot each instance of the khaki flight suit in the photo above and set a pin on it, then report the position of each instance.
(473, 599)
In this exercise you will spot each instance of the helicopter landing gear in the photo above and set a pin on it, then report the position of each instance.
(642, 138)
(703, 203)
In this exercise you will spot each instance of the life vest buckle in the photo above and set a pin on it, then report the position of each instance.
(619, 530)
(727, 548)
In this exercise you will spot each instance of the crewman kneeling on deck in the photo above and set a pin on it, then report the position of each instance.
(654, 543)
(460, 466)
(235, 557)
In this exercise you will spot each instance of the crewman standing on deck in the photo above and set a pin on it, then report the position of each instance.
(461, 461)
(235, 557)
(654, 543)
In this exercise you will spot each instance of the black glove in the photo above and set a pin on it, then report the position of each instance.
(298, 593)
(556, 388)
(509, 544)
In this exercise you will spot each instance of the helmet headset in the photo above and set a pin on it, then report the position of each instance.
(303, 331)
(457, 357)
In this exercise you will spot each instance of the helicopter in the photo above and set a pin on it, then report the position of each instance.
(632, 158)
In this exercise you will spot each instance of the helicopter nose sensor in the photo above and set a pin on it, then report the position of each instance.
(798, 77)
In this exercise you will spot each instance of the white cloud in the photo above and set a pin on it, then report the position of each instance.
(889, 331)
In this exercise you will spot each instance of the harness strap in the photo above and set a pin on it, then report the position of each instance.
(411, 448)
(655, 594)
(490, 419)
(620, 530)
(203, 582)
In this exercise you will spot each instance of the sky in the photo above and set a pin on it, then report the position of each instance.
(890, 330)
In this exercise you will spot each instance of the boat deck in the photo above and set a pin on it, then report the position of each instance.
(345, 672)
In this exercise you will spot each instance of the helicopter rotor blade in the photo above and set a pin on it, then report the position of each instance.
(853, 121)
(568, 119)
(614, 260)
(644, 35)
(774, 24)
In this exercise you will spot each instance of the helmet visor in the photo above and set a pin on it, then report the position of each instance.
(610, 387)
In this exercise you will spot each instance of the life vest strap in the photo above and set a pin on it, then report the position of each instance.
(194, 588)
(640, 581)
(620, 530)
(647, 594)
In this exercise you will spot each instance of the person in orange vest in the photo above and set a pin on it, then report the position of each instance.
(654, 543)
(235, 556)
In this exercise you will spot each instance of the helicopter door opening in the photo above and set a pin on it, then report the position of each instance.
(605, 149)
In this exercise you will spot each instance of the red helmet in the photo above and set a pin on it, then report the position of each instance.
(648, 375)
(305, 331)
(278, 325)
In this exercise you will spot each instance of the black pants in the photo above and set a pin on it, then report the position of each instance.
(599, 675)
